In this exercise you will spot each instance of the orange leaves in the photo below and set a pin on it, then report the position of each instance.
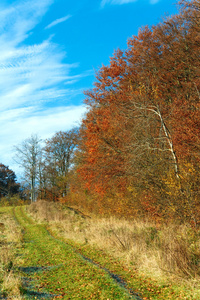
(143, 119)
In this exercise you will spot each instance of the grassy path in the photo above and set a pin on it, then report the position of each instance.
(54, 269)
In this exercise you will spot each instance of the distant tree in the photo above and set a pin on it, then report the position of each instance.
(58, 154)
(28, 157)
(8, 184)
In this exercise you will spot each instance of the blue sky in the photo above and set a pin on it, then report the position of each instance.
(50, 50)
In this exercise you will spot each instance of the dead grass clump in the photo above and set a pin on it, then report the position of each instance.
(11, 285)
(9, 242)
(177, 253)
(46, 211)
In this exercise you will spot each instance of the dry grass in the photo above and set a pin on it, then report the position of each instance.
(10, 237)
(168, 253)
(46, 211)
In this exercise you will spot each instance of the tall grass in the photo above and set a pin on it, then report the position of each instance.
(10, 237)
(169, 252)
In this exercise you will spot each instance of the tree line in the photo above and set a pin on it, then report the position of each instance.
(46, 167)
(136, 152)
(46, 164)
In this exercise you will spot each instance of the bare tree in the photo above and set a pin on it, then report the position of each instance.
(58, 153)
(28, 156)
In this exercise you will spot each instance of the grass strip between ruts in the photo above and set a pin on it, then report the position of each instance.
(53, 269)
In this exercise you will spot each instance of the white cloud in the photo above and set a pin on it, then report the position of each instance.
(32, 119)
(58, 21)
(104, 2)
(27, 72)
(120, 2)
(19, 19)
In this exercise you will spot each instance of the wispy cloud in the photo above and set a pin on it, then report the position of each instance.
(19, 19)
(33, 79)
(58, 21)
(31, 72)
(120, 2)
(28, 120)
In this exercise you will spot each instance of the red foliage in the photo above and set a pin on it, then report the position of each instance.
(143, 119)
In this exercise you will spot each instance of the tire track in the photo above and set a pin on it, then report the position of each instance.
(52, 243)
(115, 277)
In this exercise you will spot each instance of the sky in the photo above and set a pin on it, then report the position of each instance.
(49, 53)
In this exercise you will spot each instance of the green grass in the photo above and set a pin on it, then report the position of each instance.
(54, 268)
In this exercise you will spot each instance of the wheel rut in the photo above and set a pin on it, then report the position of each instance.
(50, 256)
